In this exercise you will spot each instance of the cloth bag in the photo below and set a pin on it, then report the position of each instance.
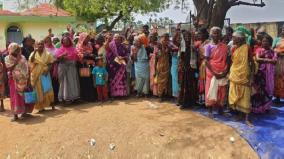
(30, 96)
(46, 83)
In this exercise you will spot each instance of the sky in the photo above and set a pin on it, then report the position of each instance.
(273, 11)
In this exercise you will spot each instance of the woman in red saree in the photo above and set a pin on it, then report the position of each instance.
(216, 71)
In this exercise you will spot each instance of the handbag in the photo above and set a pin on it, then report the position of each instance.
(46, 83)
(85, 72)
(30, 96)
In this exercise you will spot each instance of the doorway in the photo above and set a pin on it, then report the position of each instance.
(14, 34)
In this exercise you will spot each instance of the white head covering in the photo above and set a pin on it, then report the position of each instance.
(215, 28)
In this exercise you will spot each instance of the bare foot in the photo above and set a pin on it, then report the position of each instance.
(249, 124)
(211, 116)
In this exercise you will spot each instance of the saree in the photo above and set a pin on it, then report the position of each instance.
(54, 72)
(68, 78)
(279, 71)
(163, 71)
(18, 79)
(174, 73)
(240, 89)
(2, 81)
(262, 86)
(187, 80)
(142, 70)
(85, 53)
(117, 72)
(39, 66)
(217, 58)
(202, 70)
(153, 60)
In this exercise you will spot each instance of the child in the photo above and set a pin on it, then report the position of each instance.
(100, 79)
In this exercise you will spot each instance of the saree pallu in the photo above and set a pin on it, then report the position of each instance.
(174, 73)
(38, 67)
(279, 77)
(240, 89)
(69, 88)
(218, 62)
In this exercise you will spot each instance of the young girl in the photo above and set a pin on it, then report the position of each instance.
(100, 79)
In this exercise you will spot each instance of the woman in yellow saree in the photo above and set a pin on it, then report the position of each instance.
(40, 61)
(240, 89)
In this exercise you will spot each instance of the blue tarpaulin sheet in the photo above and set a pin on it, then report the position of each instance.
(267, 135)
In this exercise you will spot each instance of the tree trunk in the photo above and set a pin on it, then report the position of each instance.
(219, 13)
(213, 12)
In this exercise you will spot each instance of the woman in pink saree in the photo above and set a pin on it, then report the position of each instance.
(153, 60)
(216, 71)
(117, 58)
(18, 74)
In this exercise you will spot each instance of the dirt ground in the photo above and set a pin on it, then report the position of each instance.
(139, 128)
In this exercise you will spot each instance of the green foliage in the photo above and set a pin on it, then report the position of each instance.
(112, 10)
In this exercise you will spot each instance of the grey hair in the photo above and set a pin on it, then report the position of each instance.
(239, 34)
(214, 29)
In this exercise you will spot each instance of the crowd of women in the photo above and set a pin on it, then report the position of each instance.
(242, 70)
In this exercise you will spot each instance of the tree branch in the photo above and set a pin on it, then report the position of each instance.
(237, 3)
(118, 18)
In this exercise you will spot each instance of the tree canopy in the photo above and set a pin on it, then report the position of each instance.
(111, 11)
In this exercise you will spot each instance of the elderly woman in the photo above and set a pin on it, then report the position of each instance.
(163, 67)
(240, 84)
(87, 62)
(18, 74)
(117, 57)
(40, 62)
(141, 65)
(69, 88)
(216, 71)
(279, 72)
